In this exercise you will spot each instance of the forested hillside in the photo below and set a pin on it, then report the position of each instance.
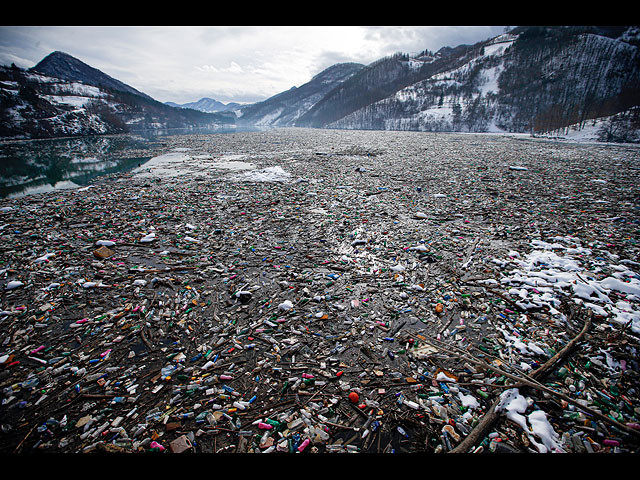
(532, 80)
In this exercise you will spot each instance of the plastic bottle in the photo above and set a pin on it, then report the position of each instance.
(303, 445)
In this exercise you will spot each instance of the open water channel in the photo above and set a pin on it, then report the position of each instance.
(38, 166)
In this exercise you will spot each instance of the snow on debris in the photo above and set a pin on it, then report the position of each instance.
(563, 267)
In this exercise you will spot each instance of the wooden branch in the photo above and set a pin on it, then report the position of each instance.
(145, 340)
(549, 364)
(492, 416)
(17, 450)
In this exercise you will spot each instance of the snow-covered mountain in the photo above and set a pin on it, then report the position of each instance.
(443, 100)
(208, 105)
(532, 79)
(287, 107)
(34, 105)
(63, 66)
(62, 96)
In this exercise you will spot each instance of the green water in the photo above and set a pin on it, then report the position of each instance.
(34, 166)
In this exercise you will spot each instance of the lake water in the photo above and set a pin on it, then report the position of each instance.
(37, 166)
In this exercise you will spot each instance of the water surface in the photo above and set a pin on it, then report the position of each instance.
(37, 166)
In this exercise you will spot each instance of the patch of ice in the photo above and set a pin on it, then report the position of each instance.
(269, 174)
(542, 429)
(105, 243)
(44, 258)
(286, 305)
(468, 401)
(14, 284)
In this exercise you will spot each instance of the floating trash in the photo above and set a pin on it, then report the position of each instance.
(316, 291)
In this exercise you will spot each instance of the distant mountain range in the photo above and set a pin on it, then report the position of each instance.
(528, 80)
(208, 105)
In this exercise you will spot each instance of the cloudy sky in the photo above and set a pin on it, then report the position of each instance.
(228, 63)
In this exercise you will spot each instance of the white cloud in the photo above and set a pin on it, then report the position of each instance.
(232, 68)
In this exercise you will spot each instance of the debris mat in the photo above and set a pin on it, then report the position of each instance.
(302, 291)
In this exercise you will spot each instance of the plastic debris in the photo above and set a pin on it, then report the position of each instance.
(298, 291)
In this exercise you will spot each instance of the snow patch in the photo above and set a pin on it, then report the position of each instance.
(564, 268)
(269, 174)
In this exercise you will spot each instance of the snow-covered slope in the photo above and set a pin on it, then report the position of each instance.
(514, 87)
(443, 101)
(39, 105)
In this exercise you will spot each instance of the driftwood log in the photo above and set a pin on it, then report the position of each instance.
(491, 417)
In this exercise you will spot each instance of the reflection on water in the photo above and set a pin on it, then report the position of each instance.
(35, 166)
(159, 132)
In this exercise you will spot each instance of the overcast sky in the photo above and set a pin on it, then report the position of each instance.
(234, 63)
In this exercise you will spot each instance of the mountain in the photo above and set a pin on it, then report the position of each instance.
(62, 96)
(285, 108)
(64, 66)
(529, 80)
(207, 105)
(537, 80)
